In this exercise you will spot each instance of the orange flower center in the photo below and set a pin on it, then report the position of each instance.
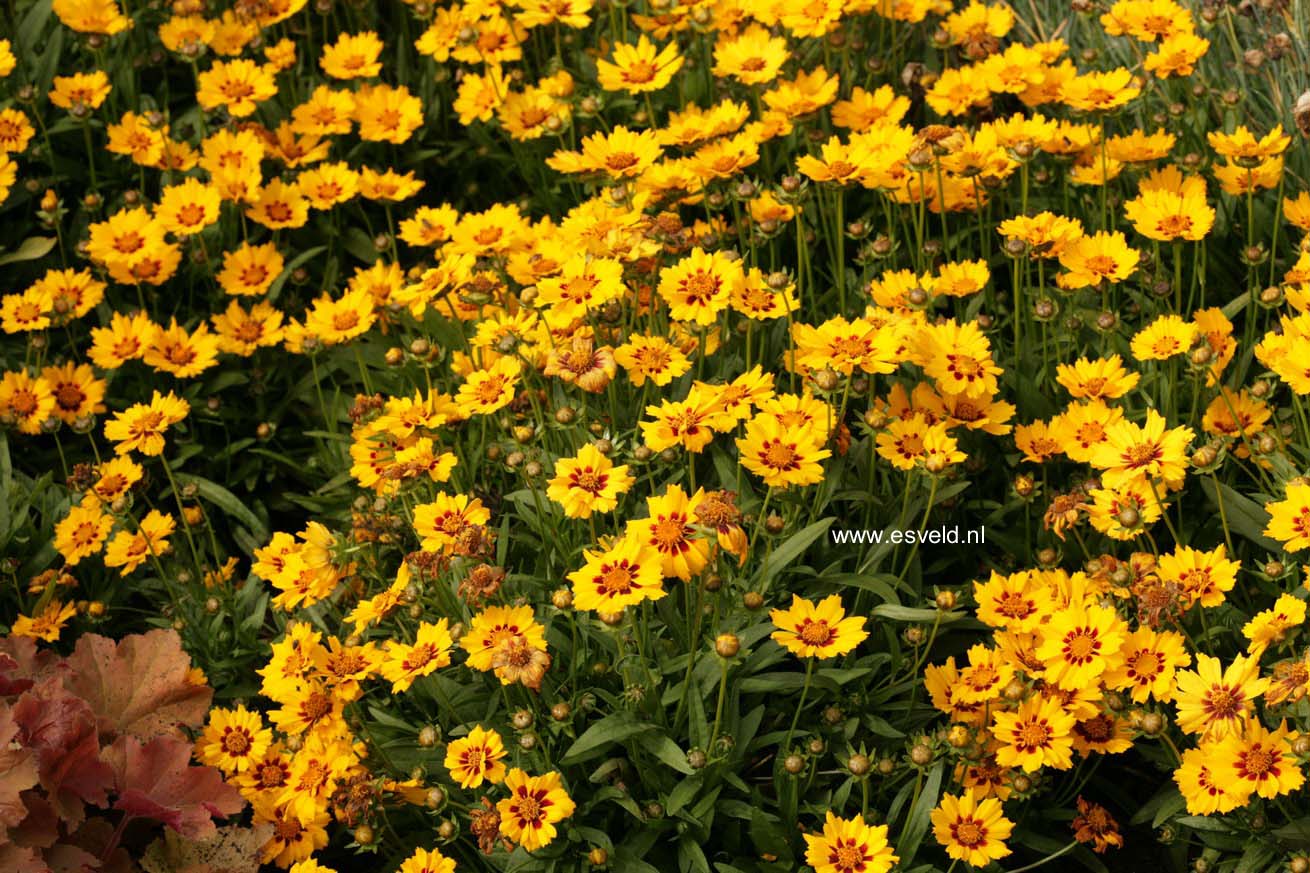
(316, 706)
(780, 456)
(1033, 735)
(616, 579)
(815, 633)
(236, 741)
(1258, 763)
(969, 832)
(1081, 645)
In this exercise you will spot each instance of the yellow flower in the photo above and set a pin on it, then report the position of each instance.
(782, 456)
(535, 805)
(1081, 643)
(588, 483)
(1143, 453)
(973, 831)
(476, 758)
(352, 56)
(1101, 378)
(640, 68)
(1147, 666)
(1215, 702)
(47, 625)
(817, 630)
(440, 523)
(1273, 625)
(487, 390)
(1289, 518)
(141, 427)
(621, 576)
(233, 740)
(669, 532)
(848, 845)
(128, 550)
(82, 532)
(1163, 338)
(1038, 734)
(237, 85)
(1205, 791)
(405, 663)
(1257, 761)
(427, 861)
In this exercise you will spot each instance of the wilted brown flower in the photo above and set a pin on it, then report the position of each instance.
(1095, 825)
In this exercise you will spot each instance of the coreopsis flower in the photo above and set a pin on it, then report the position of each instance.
(970, 829)
(91, 16)
(182, 353)
(1047, 235)
(241, 331)
(1124, 512)
(904, 442)
(490, 389)
(583, 283)
(129, 550)
(1289, 518)
(87, 90)
(1081, 643)
(114, 478)
(846, 346)
(352, 56)
(961, 360)
(942, 682)
(1017, 601)
(233, 740)
(1243, 148)
(427, 861)
(622, 575)
(338, 321)
(570, 13)
(387, 113)
(688, 423)
(1081, 428)
(699, 287)
(1147, 664)
(1170, 206)
(440, 523)
(1205, 791)
(405, 663)
(1203, 577)
(141, 427)
(1214, 701)
(279, 205)
(250, 270)
(535, 805)
(1256, 760)
(1149, 452)
(588, 483)
(8, 61)
(476, 758)
(46, 625)
(668, 530)
(327, 184)
(1176, 56)
(1167, 336)
(1037, 441)
(780, 456)
(817, 630)
(1037, 734)
(494, 629)
(82, 532)
(1092, 260)
(388, 185)
(1100, 91)
(619, 154)
(188, 207)
(639, 69)
(986, 676)
(1271, 626)
(238, 86)
(849, 845)
(291, 841)
(1097, 379)
(651, 358)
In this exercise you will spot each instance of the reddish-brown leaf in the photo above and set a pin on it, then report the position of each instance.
(18, 859)
(61, 729)
(18, 772)
(156, 781)
(138, 686)
(22, 665)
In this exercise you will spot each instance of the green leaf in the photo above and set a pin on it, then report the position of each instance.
(916, 824)
(769, 836)
(612, 729)
(683, 793)
(228, 502)
(30, 249)
(792, 549)
(668, 751)
(906, 613)
(1245, 516)
(276, 288)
